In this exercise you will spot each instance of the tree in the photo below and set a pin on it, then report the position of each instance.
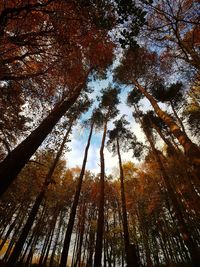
(143, 73)
(74, 18)
(29, 223)
(21, 154)
(172, 95)
(81, 107)
(108, 103)
(121, 137)
(65, 250)
(175, 28)
(191, 245)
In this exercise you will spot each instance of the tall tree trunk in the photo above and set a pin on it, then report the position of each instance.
(44, 262)
(82, 229)
(191, 245)
(34, 234)
(51, 262)
(20, 242)
(131, 257)
(11, 227)
(191, 150)
(100, 220)
(16, 160)
(91, 217)
(68, 234)
(13, 239)
(25, 231)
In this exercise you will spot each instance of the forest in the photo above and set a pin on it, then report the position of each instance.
(100, 133)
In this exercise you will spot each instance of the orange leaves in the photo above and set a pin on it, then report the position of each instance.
(51, 43)
(192, 37)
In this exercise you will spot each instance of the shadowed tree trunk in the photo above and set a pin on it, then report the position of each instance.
(74, 206)
(131, 257)
(100, 221)
(29, 223)
(190, 244)
(15, 161)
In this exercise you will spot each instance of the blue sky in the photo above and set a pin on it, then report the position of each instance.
(79, 135)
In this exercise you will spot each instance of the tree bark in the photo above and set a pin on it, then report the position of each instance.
(68, 234)
(190, 244)
(131, 257)
(100, 220)
(20, 243)
(192, 151)
(16, 160)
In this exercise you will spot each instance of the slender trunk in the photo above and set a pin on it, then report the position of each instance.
(51, 262)
(75, 247)
(145, 236)
(20, 243)
(191, 150)
(29, 244)
(44, 262)
(92, 216)
(35, 234)
(11, 227)
(74, 205)
(14, 237)
(31, 251)
(191, 245)
(82, 229)
(16, 160)
(131, 257)
(100, 220)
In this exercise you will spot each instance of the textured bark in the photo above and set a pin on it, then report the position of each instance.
(162, 136)
(191, 150)
(16, 160)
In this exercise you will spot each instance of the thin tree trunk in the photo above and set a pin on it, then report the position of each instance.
(191, 246)
(56, 240)
(92, 216)
(11, 227)
(44, 262)
(100, 221)
(34, 234)
(20, 243)
(82, 229)
(16, 160)
(13, 239)
(131, 257)
(74, 205)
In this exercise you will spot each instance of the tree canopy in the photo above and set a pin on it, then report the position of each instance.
(99, 133)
